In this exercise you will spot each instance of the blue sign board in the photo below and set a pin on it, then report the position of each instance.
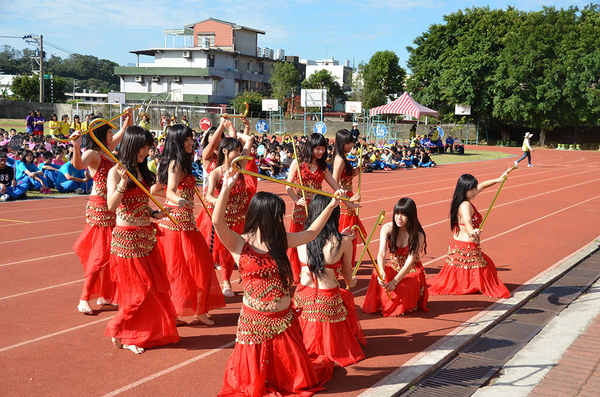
(380, 131)
(320, 128)
(260, 150)
(262, 126)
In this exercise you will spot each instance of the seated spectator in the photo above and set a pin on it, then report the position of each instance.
(425, 159)
(407, 159)
(449, 144)
(264, 167)
(376, 161)
(70, 179)
(50, 171)
(29, 175)
(386, 157)
(59, 156)
(459, 147)
(9, 189)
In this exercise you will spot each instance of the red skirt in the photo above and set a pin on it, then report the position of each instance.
(347, 221)
(146, 315)
(194, 284)
(329, 324)
(467, 270)
(220, 254)
(278, 366)
(410, 293)
(93, 249)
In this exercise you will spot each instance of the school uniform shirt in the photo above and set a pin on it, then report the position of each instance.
(38, 127)
(7, 174)
(21, 167)
(76, 125)
(64, 128)
(67, 168)
(54, 126)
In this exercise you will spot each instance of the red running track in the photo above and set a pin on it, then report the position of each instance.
(542, 215)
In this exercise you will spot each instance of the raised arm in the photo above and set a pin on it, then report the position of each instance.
(296, 239)
(230, 239)
(119, 135)
(491, 182)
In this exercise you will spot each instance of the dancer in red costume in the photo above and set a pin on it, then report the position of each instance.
(194, 284)
(210, 145)
(404, 275)
(229, 149)
(269, 357)
(312, 165)
(328, 316)
(146, 315)
(92, 246)
(467, 270)
(343, 173)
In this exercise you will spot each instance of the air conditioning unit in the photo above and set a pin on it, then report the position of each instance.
(187, 54)
(139, 79)
(176, 79)
(155, 79)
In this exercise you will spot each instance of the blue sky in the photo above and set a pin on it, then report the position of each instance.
(350, 29)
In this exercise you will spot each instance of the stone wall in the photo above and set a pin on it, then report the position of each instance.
(20, 110)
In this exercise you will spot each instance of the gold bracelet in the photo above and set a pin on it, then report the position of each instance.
(120, 191)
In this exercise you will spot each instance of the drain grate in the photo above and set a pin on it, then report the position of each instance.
(497, 349)
(555, 298)
(460, 377)
(534, 316)
(515, 330)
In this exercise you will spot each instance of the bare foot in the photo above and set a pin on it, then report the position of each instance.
(101, 302)
(179, 322)
(227, 291)
(117, 343)
(134, 348)
(202, 319)
(84, 307)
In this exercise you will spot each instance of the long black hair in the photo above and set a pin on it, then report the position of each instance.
(174, 150)
(229, 144)
(342, 138)
(306, 153)
(134, 139)
(314, 249)
(407, 207)
(208, 134)
(100, 132)
(465, 183)
(265, 214)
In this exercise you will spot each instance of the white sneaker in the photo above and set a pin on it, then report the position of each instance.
(4, 197)
(79, 191)
(516, 164)
(530, 165)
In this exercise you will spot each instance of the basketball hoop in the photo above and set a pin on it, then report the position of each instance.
(353, 109)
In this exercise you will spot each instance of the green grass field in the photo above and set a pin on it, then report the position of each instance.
(470, 155)
(18, 124)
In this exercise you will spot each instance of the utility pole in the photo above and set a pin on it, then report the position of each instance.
(39, 40)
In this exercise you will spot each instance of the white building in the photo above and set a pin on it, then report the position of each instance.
(221, 63)
(340, 72)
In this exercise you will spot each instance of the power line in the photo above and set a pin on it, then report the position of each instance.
(59, 48)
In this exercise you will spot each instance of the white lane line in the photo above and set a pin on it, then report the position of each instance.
(38, 237)
(64, 331)
(45, 220)
(48, 208)
(168, 370)
(40, 289)
(36, 259)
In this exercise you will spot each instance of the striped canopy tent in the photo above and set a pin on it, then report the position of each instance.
(404, 105)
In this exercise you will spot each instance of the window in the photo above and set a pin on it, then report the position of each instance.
(235, 64)
(202, 37)
(261, 67)
(211, 61)
(249, 66)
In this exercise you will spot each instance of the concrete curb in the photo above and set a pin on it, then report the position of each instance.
(436, 355)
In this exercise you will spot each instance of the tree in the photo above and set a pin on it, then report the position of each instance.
(357, 83)
(26, 88)
(254, 100)
(383, 77)
(324, 79)
(284, 78)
